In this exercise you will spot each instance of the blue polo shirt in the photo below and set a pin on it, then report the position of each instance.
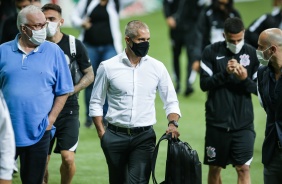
(30, 82)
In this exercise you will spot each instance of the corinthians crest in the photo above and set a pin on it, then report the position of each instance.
(245, 60)
(210, 152)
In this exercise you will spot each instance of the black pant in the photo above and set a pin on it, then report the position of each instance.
(129, 156)
(180, 39)
(273, 171)
(33, 160)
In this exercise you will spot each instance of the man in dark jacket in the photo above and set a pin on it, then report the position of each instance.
(266, 21)
(228, 74)
(269, 53)
(210, 26)
(181, 18)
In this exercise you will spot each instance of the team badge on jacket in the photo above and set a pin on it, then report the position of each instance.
(245, 60)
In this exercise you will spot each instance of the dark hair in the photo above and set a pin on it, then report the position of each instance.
(233, 25)
(51, 6)
(229, 5)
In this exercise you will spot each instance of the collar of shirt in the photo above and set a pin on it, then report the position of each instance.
(16, 45)
(126, 61)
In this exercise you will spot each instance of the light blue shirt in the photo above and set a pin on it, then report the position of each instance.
(30, 82)
(131, 91)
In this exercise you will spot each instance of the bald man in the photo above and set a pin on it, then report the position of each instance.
(269, 53)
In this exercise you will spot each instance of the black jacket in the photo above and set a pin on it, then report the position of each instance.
(210, 25)
(266, 21)
(185, 12)
(229, 103)
(273, 108)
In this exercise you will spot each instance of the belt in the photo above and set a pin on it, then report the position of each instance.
(128, 131)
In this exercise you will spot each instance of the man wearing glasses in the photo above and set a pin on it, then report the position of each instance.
(36, 82)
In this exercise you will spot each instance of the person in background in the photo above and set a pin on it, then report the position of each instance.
(228, 75)
(7, 144)
(10, 29)
(98, 21)
(266, 21)
(67, 123)
(36, 82)
(131, 80)
(210, 26)
(269, 53)
(6, 10)
(181, 18)
(36, 3)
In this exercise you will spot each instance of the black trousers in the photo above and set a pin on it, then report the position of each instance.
(273, 171)
(181, 39)
(33, 160)
(129, 156)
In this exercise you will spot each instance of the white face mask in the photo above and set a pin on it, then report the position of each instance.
(235, 49)
(52, 28)
(38, 36)
(260, 57)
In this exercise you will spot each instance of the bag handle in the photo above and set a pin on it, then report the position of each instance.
(155, 154)
(72, 46)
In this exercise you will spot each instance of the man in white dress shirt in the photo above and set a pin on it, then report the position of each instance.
(131, 80)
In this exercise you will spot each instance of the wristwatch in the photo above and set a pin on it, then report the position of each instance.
(175, 123)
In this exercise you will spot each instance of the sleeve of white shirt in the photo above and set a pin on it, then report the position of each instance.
(99, 92)
(167, 93)
(7, 143)
(77, 15)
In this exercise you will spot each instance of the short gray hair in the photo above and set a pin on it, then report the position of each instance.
(132, 27)
(21, 19)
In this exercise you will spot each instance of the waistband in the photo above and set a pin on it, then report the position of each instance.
(128, 131)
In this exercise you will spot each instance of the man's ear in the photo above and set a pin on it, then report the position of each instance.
(273, 48)
(127, 39)
(23, 28)
(61, 22)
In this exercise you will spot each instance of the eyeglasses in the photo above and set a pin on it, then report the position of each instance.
(37, 26)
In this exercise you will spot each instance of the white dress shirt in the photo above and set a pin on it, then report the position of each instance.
(131, 91)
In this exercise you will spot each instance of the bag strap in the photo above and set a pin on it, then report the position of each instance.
(72, 46)
(155, 154)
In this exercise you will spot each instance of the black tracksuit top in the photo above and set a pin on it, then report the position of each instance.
(229, 103)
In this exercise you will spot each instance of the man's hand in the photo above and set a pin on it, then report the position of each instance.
(231, 66)
(196, 66)
(240, 72)
(51, 122)
(171, 22)
(86, 24)
(98, 122)
(173, 130)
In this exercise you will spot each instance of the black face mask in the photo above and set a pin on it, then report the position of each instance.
(140, 49)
